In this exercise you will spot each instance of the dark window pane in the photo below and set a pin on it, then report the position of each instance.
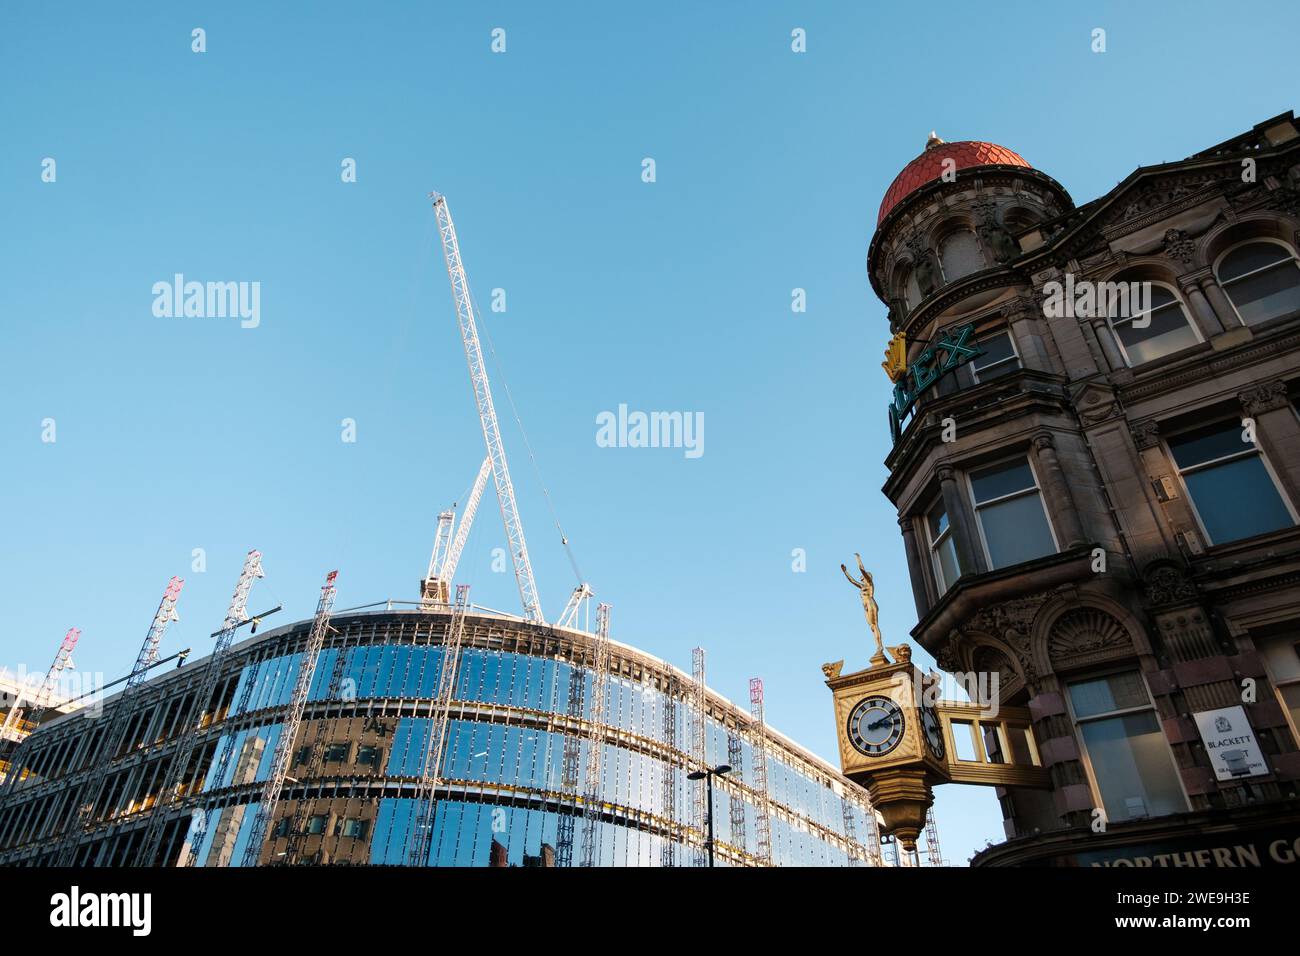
(1107, 694)
(1248, 258)
(938, 520)
(997, 348)
(1134, 771)
(1003, 479)
(1167, 333)
(1237, 500)
(1016, 530)
(1267, 295)
(1207, 444)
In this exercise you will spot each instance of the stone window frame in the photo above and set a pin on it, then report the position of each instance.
(932, 546)
(945, 232)
(1178, 470)
(968, 490)
(1085, 759)
(1187, 316)
(1015, 352)
(1246, 241)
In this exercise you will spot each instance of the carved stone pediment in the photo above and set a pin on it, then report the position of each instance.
(1086, 635)
(1096, 403)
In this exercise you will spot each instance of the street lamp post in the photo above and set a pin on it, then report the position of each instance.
(707, 776)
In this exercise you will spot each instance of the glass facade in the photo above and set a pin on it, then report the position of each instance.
(501, 788)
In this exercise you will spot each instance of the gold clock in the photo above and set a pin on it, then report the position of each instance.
(876, 725)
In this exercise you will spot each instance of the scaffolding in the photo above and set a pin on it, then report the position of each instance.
(426, 797)
(932, 851)
(762, 812)
(570, 765)
(173, 789)
(736, 759)
(83, 815)
(668, 854)
(699, 756)
(591, 799)
(275, 779)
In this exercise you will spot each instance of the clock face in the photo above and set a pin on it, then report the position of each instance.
(876, 726)
(933, 730)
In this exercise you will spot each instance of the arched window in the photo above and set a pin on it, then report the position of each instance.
(1262, 280)
(1160, 330)
(911, 291)
(960, 255)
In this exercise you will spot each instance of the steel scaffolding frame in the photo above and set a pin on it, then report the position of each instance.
(426, 797)
(762, 812)
(274, 782)
(699, 756)
(591, 799)
(236, 615)
(83, 814)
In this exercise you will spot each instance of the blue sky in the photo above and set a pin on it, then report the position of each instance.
(175, 434)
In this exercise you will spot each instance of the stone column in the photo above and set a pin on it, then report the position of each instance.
(1219, 302)
(1109, 348)
(969, 557)
(912, 549)
(1277, 431)
(1056, 491)
(1202, 312)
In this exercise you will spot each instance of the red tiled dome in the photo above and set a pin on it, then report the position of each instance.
(929, 166)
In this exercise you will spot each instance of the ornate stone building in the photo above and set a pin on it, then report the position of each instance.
(1099, 504)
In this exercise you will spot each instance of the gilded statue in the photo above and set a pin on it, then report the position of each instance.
(867, 591)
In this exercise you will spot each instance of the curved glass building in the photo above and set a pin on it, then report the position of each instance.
(505, 793)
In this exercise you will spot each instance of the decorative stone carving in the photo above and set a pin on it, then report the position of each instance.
(1178, 245)
(1083, 635)
(949, 656)
(1010, 621)
(1166, 583)
(1146, 434)
(992, 234)
(1264, 397)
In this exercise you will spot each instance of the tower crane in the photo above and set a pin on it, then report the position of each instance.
(436, 587)
(41, 699)
(496, 452)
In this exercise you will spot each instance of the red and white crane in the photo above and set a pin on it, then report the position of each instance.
(45, 693)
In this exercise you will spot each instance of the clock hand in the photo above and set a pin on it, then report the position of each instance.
(883, 721)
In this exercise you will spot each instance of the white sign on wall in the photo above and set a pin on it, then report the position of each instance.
(1230, 742)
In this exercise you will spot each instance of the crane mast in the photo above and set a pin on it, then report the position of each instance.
(460, 294)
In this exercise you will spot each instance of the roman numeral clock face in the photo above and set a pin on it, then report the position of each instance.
(876, 726)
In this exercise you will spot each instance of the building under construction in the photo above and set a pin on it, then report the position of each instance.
(511, 786)
(428, 732)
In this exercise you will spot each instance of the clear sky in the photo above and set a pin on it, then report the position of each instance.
(181, 433)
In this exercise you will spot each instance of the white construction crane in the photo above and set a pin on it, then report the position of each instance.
(496, 452)
(447, 548)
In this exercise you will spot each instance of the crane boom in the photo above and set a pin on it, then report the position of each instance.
(466, 520)
(460, 294)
